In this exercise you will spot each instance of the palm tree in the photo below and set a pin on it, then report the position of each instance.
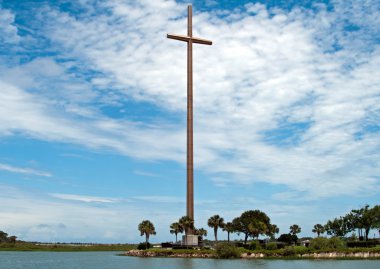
(318, 229)
(176, 228)
(215, 222)
(229, 228)
(187, 224)
(146, 227)
(274, 230)
(201, 232)
(295, 229)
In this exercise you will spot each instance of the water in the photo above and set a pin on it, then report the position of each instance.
(109, 260)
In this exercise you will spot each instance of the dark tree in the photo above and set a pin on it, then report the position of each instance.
(176, 228)
(337, 227)
(318, 229)
(288, 238)
(215, 222)
(187, 224)
(229, 228)
(252, 223)
(146, 227)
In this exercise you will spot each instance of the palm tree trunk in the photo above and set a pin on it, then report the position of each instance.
(246, 238)
(228, 236)
(366, 234)
(176, 238)
(216, 234)
(146, 239)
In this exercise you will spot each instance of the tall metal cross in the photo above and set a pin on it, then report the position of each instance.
(190, 39)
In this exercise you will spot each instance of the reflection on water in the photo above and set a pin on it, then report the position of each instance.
(109, 260)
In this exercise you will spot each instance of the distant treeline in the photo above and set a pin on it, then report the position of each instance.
(255, 223)
(4, 238)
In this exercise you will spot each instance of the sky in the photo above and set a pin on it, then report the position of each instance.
(93, 114)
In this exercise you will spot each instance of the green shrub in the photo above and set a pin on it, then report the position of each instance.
(319, 243)
(254, 245)
(241, 245)
(327, 243)
(271, 246)
(226, 251)
(336, 242)
(301, 250)
(361, 244)
(288, 251)
(144, 245)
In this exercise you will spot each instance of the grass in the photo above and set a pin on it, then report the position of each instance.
(288, 252)
(300, 250)
(285, 253)
(64, 247)
(167, 252)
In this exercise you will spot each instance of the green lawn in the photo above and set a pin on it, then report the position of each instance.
(64, 247)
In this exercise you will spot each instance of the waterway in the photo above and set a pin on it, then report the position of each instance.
(110, 260)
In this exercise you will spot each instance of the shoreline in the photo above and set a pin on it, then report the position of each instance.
(365, 255)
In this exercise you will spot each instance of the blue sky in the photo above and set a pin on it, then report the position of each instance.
(93, 110)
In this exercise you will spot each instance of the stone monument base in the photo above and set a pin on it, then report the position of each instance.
(190, 240)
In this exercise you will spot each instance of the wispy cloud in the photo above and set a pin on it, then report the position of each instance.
(8, 31)
(145, 174)
(160, 199)
(22, 170)
(84, 198)
(298, 73)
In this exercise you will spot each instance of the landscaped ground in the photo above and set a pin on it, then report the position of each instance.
(65, 247)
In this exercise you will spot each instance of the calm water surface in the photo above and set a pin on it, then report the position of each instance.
(109, 260)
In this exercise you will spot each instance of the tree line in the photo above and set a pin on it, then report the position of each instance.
(4, 238)
(255, 223)
(252, 223)
(361, 220)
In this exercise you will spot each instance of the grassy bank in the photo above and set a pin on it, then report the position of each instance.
(285, 253)
(299, 250)
(64, 247)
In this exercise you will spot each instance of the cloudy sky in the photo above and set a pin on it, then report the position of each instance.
(93, 114)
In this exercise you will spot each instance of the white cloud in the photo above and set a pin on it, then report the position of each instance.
(145, 174)
(84, 198)
(8, 31)
(23, 170)
(263, 73)
(160, 199)
(34, 216)
(35, 116)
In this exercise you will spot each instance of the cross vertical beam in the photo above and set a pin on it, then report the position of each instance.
(190, 156)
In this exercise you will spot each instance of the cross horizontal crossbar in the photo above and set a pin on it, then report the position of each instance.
(188, 38)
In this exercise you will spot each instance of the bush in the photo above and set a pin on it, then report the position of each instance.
(271, 246)
(336, 242)
(288, 238)
(254, 245)
(292, 251)
(319, 243)
(301, 250)
(361, 244)
(241, 245)
(326, 243)
(226, 251)
(144, 245)
(288, 251)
